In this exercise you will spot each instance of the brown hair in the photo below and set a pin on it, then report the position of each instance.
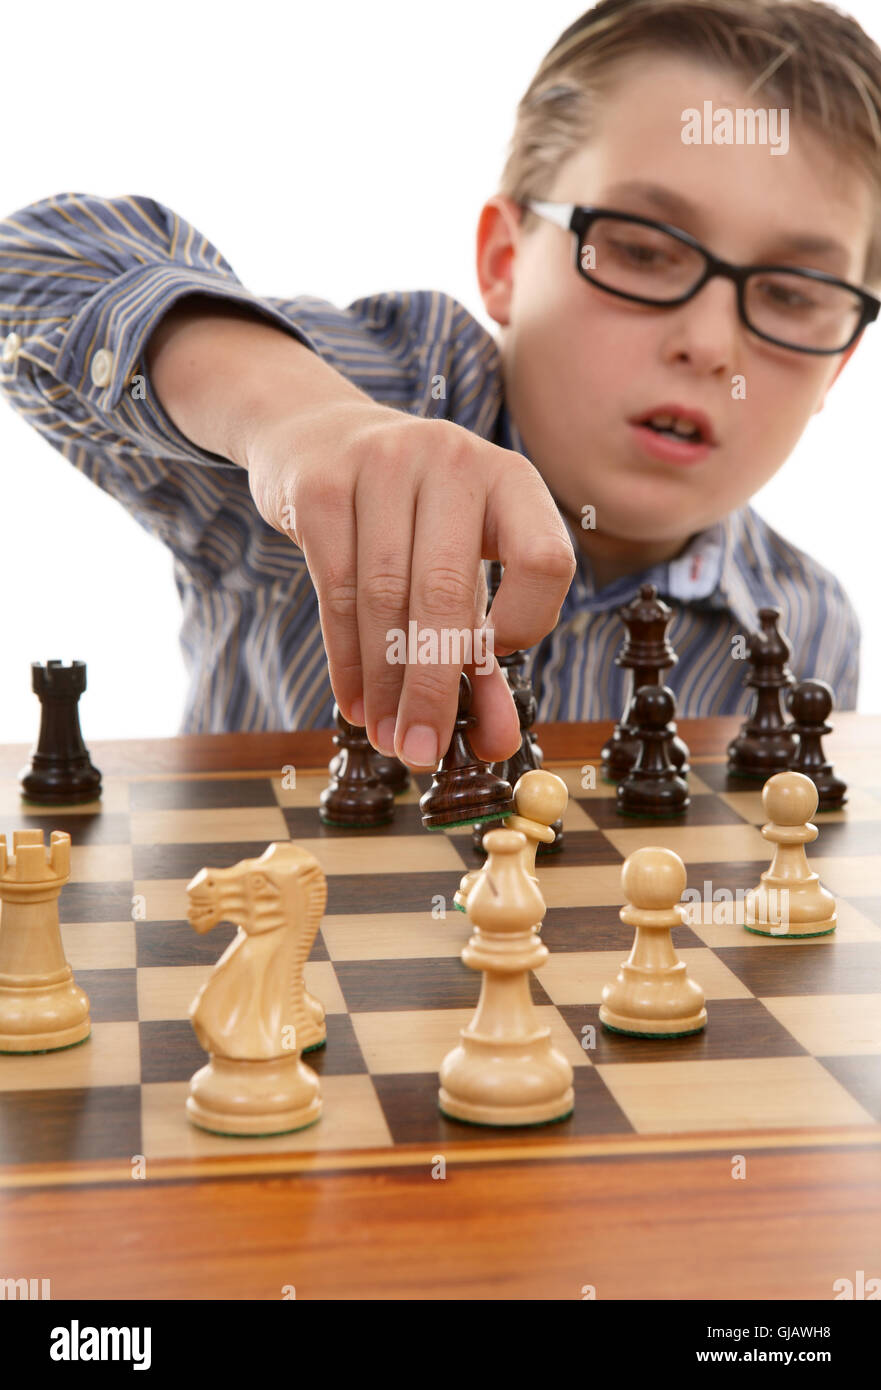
(800, 54)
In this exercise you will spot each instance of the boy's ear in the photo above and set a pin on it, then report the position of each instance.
(845, 358)
(497, 240)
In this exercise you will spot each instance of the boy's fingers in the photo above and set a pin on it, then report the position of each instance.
(384, 521)
(331, 559)
(527, 532)
(443, 593)
(496, 735)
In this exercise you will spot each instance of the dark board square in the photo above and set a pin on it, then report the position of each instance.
(96, 902)
(170, 1050)
(113, 994)
(441, 982)
(715, 775)
(736, 875)
(305, 823)
(184, 861)
(175, 943)
(703, 810)
(598, 929)
(70, 1125)
(845, 837)
(410, 1105)
(736, 1028)
(402, 892)
(341, 1054)
(790, 967)
(861, 1077)
(202, 794)
(104, 828)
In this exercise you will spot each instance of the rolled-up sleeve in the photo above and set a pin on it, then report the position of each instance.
(83, 282)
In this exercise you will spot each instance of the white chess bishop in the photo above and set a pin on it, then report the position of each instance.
(504, 1070)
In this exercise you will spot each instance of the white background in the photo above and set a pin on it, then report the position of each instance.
(278, 131)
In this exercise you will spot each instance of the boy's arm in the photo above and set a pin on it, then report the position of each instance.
(393, 514)
(85, 283)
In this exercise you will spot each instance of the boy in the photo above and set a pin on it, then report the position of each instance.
(644, 385)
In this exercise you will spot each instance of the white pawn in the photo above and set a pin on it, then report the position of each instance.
(789, 900)
(540, 798)
(505, 1070)
(652, 995)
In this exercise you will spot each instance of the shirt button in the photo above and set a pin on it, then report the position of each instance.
(102, 367)
(11, 348)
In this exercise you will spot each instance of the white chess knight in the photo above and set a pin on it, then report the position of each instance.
(789, 901)
(254, 1015)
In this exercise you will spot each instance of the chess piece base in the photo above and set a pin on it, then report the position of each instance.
(237, 1097)
(36, 1017)
(486, 1082)
(653, 1027)
(810, 929)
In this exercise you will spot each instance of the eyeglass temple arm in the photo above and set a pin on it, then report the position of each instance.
(561, 213)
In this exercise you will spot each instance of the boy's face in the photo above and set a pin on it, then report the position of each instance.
(580, 364)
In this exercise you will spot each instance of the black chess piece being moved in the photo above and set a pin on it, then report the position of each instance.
(60, 771)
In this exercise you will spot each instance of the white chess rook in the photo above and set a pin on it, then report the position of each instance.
(504, 1070)
(41, 1008)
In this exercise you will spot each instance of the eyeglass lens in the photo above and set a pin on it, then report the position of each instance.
(647, 262)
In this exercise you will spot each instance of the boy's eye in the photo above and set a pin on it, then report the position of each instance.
(786, 296)
(637, 253)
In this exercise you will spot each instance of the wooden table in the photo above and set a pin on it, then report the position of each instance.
(669, 1226)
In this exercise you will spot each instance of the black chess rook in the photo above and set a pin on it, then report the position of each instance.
(60, 771)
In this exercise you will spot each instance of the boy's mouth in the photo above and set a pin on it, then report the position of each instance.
(678, 423)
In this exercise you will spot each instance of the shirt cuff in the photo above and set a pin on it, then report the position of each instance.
(102, 352)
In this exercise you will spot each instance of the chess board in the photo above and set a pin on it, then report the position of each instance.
(789, 1057)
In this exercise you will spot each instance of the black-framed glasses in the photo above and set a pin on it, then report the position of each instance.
(650, 262)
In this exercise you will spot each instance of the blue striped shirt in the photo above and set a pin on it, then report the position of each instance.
(83, 283)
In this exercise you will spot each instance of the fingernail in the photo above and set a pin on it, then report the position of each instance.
(357, 713)
(385, 736)
(420, 746)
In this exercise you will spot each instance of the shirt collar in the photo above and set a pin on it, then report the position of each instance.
(705, 574)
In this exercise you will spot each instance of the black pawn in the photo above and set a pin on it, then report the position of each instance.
(654, 786)
(645, 653)
(528, 757)
(355, 797)
(766, 743)
(390, 771)
(810, 704)
(463, 789)
(61, 770)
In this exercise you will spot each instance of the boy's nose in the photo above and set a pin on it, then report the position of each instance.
(706, 330)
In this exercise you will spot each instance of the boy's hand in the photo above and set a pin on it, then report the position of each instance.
(394, 514)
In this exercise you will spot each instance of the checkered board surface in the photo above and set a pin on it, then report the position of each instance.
(792, 1046)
